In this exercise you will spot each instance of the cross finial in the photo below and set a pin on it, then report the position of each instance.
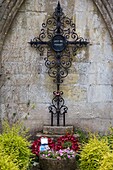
(58, 6)
(58, 9)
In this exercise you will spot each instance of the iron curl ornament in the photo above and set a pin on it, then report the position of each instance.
(59, 36)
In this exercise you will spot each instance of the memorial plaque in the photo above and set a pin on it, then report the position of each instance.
(58, 43)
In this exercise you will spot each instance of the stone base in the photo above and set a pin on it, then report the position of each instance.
(55, 164)
(53, 136)
(57, 130)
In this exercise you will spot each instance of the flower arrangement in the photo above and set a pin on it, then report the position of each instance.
(61, 154)
(67, 141)
(62, 143)
(36, 145)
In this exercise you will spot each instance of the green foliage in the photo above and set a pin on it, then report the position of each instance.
(15, 129)
(107, 162)
(67, 144)
(110, 138)
(83, 136)
(16, 145)
(93, 153)
(6, 162)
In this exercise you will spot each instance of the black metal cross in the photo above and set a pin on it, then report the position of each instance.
(59, 36)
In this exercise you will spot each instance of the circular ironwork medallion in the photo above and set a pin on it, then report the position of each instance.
(58, 43)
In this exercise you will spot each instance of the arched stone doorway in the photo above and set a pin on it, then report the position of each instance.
(88, 89)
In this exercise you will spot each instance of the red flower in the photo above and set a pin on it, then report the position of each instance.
(36, 145)
(66, 140)
(62, 142)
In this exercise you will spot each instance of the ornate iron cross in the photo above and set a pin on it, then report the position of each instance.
(59, 36)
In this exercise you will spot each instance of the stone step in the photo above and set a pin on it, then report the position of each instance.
(53, 136)
(57, 130)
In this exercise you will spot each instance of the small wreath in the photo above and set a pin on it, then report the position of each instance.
(67, 141)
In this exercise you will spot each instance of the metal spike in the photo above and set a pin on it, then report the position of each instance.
(58, 4)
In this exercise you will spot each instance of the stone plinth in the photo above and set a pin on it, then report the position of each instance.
(52, 136)
(55, 164)
(57, 130)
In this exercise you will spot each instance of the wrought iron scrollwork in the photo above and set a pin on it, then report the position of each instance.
(59, 35)
(58, 107)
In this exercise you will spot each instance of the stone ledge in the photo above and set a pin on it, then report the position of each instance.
(53, 136)
(57, 130)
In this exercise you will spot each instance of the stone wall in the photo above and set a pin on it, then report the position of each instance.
(26, 88)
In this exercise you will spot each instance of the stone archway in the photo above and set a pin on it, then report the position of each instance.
(11, 9)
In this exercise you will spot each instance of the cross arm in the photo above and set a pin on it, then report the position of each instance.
(36, 43)
(78, 42)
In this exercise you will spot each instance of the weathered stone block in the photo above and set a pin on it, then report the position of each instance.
(60, 130)
(100, 93)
